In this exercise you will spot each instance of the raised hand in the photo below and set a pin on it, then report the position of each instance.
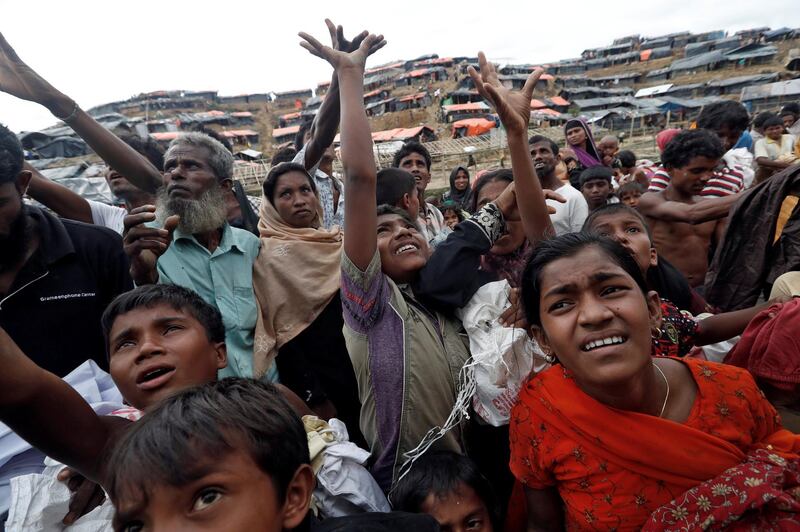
(338, 56)
(512, 106)
(144, 244)
(20, 80)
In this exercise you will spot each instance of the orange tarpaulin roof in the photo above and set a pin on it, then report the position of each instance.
(166, 135)
(290, 116)
(537, 104)
(475, 126)
(413, 97)
(558, 100)
(241, 133)
(644, 55)
(281, 131)
(548, 112)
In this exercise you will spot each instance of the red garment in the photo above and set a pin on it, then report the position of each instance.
(613, 468)
(770, 346)
(761, 494)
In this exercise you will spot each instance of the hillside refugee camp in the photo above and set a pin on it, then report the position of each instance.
(330, 308)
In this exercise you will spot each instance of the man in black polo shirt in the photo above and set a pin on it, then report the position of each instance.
(56, 276)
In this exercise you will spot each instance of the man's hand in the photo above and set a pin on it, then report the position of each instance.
(514, 315)
(143, 244)
(86, 495)
(513, 107)
(339, 58)
(507, 202)
(20, 80)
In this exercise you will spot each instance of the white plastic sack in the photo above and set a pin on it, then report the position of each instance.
(503, 357)
(742, 161)
(40, 502)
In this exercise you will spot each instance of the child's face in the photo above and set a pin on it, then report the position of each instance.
(232, 493)
(460, 510)
(596, 192)
(774, 132)
(403, 249)
(157, 351)
(629, 231)
(450, 218)
(631, 199)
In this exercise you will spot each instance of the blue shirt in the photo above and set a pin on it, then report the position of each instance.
(745, 141)
(223, 278)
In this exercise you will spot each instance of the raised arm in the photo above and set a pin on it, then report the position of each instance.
(323, 130)
(514, 110)
(360, 241)
(49, 414)
(18, 79)
(58, 198)
(653, 205)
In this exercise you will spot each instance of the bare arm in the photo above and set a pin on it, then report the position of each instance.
(514, 109)
(18, 79)
(323, 130)
(360, 241)
(769, 163)
(49, 414)
(545, 510)
(726, 325)
(58, 198)
(653, 205)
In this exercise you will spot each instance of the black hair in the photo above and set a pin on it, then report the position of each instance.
(148, 147)
(725, 113)
(186, 432)
(772, 121)
(614, 208)
(11, 156)
(630, 188)
(791, 109)
(277, 171)
(627, 158)
(596, 172)
(440, 473)
(284, 155)
(384, 209)
(761, 118)
(392, 185)
(412, 146)
(299, 137)
(502, 174)
(177, 297)
(452, 206)
(536, 139)
(691, 143)
(564, 246)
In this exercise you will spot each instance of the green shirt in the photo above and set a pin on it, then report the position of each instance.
(223, 278)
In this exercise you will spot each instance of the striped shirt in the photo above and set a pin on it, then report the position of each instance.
(724, 182)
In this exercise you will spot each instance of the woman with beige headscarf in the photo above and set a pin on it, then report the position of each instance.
(296, 279)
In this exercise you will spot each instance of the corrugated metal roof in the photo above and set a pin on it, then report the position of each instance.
(738, 80)
(708, 58)
(769, 90)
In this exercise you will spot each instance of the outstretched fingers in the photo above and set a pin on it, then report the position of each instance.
(530, 83)
(312, 44)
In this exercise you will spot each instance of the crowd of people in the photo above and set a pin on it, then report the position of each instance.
(582, 341)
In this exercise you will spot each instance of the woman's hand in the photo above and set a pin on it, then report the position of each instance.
(343, 54)
(512, 106)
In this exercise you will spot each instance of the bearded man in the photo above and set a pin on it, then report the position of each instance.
(56, 276)
(186, 240)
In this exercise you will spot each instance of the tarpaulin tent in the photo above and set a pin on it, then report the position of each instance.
(472, 127)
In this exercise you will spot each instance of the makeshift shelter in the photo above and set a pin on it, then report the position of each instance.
(625, 78)
(249, 155)
(660, 74)
(284, 134)
(686, 91)
(781, 34)
(428, 74)
(286, 97)
(380, 107)
(242, 136)
(290, 119)
(413, 101)
(46, 146)
(165, 138)
(242, 117)
(464, 96)
(375, 96)
(451, 113)
(771, 95)
(701, 63)
(419, 133)
(653, 91)
(736, 84)
(595, 92)
(472, 127)
(315, 102)
(752, 54)
(793, 59)
(517, 81)
(558, 103)
(655, 53)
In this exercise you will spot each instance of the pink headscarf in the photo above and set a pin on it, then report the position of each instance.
(663, 138)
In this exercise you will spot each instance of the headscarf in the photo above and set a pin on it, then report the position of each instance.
(591, 155)
(296, 275)
(462, 198)
(663, 138)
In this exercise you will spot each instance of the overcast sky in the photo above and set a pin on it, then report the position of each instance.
(101, 51)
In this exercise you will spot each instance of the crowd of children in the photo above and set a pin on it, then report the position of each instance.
(582, 341)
